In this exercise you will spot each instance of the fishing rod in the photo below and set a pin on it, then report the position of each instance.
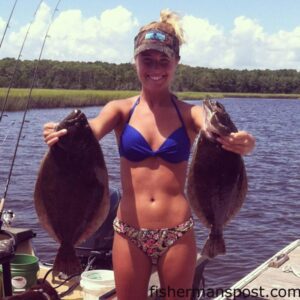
(7, 133)
(17, 63)
(7, 24)
(2, 200)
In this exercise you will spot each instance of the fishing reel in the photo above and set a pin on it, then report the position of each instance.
(8, 217)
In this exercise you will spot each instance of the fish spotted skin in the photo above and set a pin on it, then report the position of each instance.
(217, 180)
(71, 191)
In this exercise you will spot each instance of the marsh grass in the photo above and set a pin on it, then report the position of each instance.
(55, 98)
(58, 98)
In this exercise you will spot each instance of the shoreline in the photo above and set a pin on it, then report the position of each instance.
(60, 98)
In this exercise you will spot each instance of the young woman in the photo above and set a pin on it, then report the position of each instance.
(155, 132)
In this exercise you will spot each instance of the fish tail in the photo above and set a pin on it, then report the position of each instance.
(214, 245)
(66, 260)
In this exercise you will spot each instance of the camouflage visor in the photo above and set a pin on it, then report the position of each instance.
(154, 39)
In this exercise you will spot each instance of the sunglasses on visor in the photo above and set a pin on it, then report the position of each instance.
(154, 38)
(155, 35)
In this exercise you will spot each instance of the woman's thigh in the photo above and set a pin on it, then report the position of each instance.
(132, 269)
(176, 267)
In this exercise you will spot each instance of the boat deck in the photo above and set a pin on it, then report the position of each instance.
(23, 238)
(77, 292)
(277, 278)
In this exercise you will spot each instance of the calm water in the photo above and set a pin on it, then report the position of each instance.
(268, 221)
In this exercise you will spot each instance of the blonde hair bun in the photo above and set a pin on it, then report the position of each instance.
(173, 19)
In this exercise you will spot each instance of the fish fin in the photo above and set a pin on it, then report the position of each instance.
(66, 261)
(214, 245)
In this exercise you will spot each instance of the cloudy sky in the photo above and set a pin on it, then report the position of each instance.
(236, 34)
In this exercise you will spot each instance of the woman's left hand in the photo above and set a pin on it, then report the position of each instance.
(240, 142)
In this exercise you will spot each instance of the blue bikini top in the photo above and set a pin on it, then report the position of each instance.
(134, 147)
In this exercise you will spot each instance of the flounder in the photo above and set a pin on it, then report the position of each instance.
(217, 180)
(71, 193)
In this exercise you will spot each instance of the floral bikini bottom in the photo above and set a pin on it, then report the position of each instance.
(153, 242)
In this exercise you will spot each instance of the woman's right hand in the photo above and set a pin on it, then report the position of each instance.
(51, 136)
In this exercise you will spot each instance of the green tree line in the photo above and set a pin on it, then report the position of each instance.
(109, 76)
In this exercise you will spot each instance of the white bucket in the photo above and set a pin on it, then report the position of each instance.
(96, 282)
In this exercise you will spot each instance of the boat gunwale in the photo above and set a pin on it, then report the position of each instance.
(259, 270)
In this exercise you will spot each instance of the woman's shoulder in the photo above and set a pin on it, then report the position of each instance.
(111, 117)
(120, 107)
(192, 114)
(122, 104)
(189, 109)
